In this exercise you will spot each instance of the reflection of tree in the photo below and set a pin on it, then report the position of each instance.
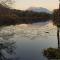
(7, 45)
(58, 37)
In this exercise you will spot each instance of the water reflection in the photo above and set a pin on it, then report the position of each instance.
(30, 40)
(54, 53)
(7, 46)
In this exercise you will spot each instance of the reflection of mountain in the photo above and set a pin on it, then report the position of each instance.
(39, 9)
(41, 23)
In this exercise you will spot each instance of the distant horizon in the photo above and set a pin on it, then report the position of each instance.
(34, 7)
(25, 4)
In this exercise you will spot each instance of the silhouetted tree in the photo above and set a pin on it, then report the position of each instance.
(56, 22)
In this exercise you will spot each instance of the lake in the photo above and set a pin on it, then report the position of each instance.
(30, 40)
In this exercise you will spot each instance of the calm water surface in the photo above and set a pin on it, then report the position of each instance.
(31, 39)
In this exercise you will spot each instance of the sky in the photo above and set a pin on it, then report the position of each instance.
(25, 4)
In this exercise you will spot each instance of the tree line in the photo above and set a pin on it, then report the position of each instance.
(9, 16)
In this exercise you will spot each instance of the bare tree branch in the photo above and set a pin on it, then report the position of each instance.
(7, 3)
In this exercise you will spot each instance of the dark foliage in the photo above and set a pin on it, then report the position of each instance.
(56, 17)
(12, 16)
(52, 53)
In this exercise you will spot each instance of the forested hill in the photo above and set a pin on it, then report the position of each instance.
(12, 16)
(7, 17)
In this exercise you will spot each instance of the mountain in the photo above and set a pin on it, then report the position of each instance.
(39, 9)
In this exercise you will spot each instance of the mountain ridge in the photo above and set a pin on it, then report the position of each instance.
(39, 9)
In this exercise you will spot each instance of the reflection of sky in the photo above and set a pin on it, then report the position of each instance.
(30, 41)
(31, 47)
(24, 4)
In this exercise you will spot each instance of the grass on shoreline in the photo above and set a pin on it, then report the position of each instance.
(52, 53)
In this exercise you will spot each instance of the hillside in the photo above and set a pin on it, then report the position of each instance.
(7, 16)
(39, 9)
(12, 16)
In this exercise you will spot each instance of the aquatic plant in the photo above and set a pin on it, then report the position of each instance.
(52, 53)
